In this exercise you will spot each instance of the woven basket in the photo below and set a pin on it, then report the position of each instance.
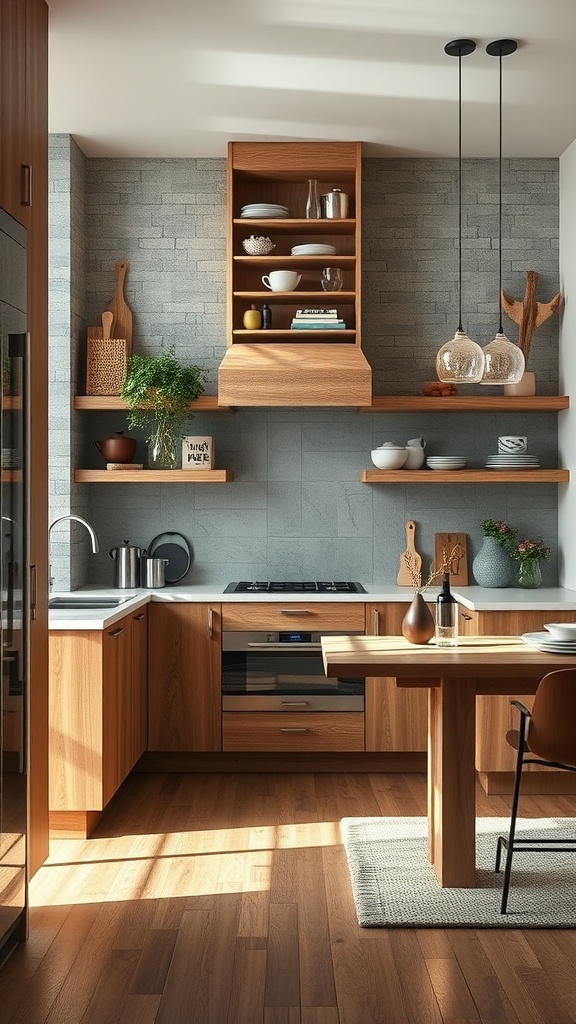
(106, 362)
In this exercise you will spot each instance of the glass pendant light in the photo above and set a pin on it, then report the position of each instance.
(503, 361)
(461, 360)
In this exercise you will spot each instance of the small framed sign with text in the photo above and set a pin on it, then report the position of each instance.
(197, 453)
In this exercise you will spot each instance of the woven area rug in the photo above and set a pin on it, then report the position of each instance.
(394, 885)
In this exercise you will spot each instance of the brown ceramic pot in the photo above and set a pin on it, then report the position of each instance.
(117, 448)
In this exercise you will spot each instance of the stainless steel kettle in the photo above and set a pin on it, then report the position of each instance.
(153, 571)
(127, 565)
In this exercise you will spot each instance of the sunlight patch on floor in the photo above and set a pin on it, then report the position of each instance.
(172, 864)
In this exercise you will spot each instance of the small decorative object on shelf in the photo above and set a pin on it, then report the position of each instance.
(258, 245)
(317, 319)
(197, 453)
(528, 314)
(439, 389)
(529, 554)
(266, 317)
(446, 615)
(252, 318)
(313, 210)
(158, 391)
(492, 566)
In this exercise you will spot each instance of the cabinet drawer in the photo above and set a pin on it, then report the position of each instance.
(300, 614)
(312, 731)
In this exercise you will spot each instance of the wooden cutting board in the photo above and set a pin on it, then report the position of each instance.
(444, 545)
(121, 312)
(405, 578)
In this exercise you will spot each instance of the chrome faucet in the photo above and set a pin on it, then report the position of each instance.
(77, 519)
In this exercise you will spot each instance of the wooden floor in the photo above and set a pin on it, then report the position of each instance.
(225, 899)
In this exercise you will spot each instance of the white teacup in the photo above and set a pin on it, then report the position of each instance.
(281, 280)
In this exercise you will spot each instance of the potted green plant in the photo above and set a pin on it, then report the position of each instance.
(492, 566)
(529, 554)
(158, 390)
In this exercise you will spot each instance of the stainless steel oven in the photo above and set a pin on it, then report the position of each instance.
(283, 671)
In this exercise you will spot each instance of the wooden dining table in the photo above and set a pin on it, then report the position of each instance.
(453, 677)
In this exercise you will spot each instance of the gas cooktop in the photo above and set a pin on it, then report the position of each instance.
(288, 587)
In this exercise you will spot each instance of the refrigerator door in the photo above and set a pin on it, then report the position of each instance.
(13, 576)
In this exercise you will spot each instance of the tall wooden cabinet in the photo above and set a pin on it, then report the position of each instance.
(281, 366)
(24, 194)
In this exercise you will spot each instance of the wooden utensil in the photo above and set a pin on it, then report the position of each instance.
(121, 312)
(409, 557)
(444, 545)
(107, 319)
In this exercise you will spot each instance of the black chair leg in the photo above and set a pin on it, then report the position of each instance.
(514, 814)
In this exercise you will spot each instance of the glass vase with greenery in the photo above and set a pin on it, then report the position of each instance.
(158, 390)
(529, 554)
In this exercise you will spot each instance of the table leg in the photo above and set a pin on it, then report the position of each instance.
(452, 782)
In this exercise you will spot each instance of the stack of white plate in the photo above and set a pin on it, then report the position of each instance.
(515, 460)
(268, 211)
(313, 249)
(445, 462)
(545, 641)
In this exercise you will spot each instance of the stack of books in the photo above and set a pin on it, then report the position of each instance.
(317, 320)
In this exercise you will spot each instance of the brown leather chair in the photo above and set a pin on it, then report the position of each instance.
(547, 736)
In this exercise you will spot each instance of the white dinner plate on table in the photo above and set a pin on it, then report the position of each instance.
(545, 642)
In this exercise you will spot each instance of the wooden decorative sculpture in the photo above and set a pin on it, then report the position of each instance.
(528, 314)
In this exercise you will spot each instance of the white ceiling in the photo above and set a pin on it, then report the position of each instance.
(182, 77)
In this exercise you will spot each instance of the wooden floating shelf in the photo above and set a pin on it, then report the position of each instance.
(322, 260)
(14, 402)
(299, 225)
(294, 336)
(11, 476)
(326, 297)
(96, 403)
(465, 476)
(467, 403)
(153, 476)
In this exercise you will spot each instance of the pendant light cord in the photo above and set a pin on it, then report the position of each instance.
(500, 324)
(460, 328)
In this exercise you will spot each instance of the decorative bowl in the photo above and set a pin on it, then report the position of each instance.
(258, 245)
(387, 457)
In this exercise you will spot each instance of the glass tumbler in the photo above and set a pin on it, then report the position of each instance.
(332, 279)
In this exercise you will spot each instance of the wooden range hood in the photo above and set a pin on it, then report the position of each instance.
(294, 374)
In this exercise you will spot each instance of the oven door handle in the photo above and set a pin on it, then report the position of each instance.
(286, 647)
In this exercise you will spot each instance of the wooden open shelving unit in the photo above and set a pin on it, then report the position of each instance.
(103, 403)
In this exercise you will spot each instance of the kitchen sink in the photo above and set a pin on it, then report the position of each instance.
(85, 601)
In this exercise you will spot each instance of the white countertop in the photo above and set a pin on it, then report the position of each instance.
(547, 599)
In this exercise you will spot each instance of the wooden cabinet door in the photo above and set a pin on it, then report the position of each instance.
(138, 737)
(184, 677)
(396, 720)
(494, 714)
(117, 710)
(13, 151)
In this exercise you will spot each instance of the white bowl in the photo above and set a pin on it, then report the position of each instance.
(389, 458)
(561, 630)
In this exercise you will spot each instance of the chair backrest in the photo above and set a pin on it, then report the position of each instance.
(552, 727)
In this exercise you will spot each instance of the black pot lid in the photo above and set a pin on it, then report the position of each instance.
(177, 550)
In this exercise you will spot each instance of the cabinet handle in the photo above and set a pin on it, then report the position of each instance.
(26, 185)
(294, 729)
(376, 622)
(294, 703)
(295, 611)
(465, 616)
(210, 631)
(32, 579)
(138, 618)
(115, 632)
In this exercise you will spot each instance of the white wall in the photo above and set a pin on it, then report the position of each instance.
(567, 368)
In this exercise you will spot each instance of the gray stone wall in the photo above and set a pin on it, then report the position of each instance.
(297, 507)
